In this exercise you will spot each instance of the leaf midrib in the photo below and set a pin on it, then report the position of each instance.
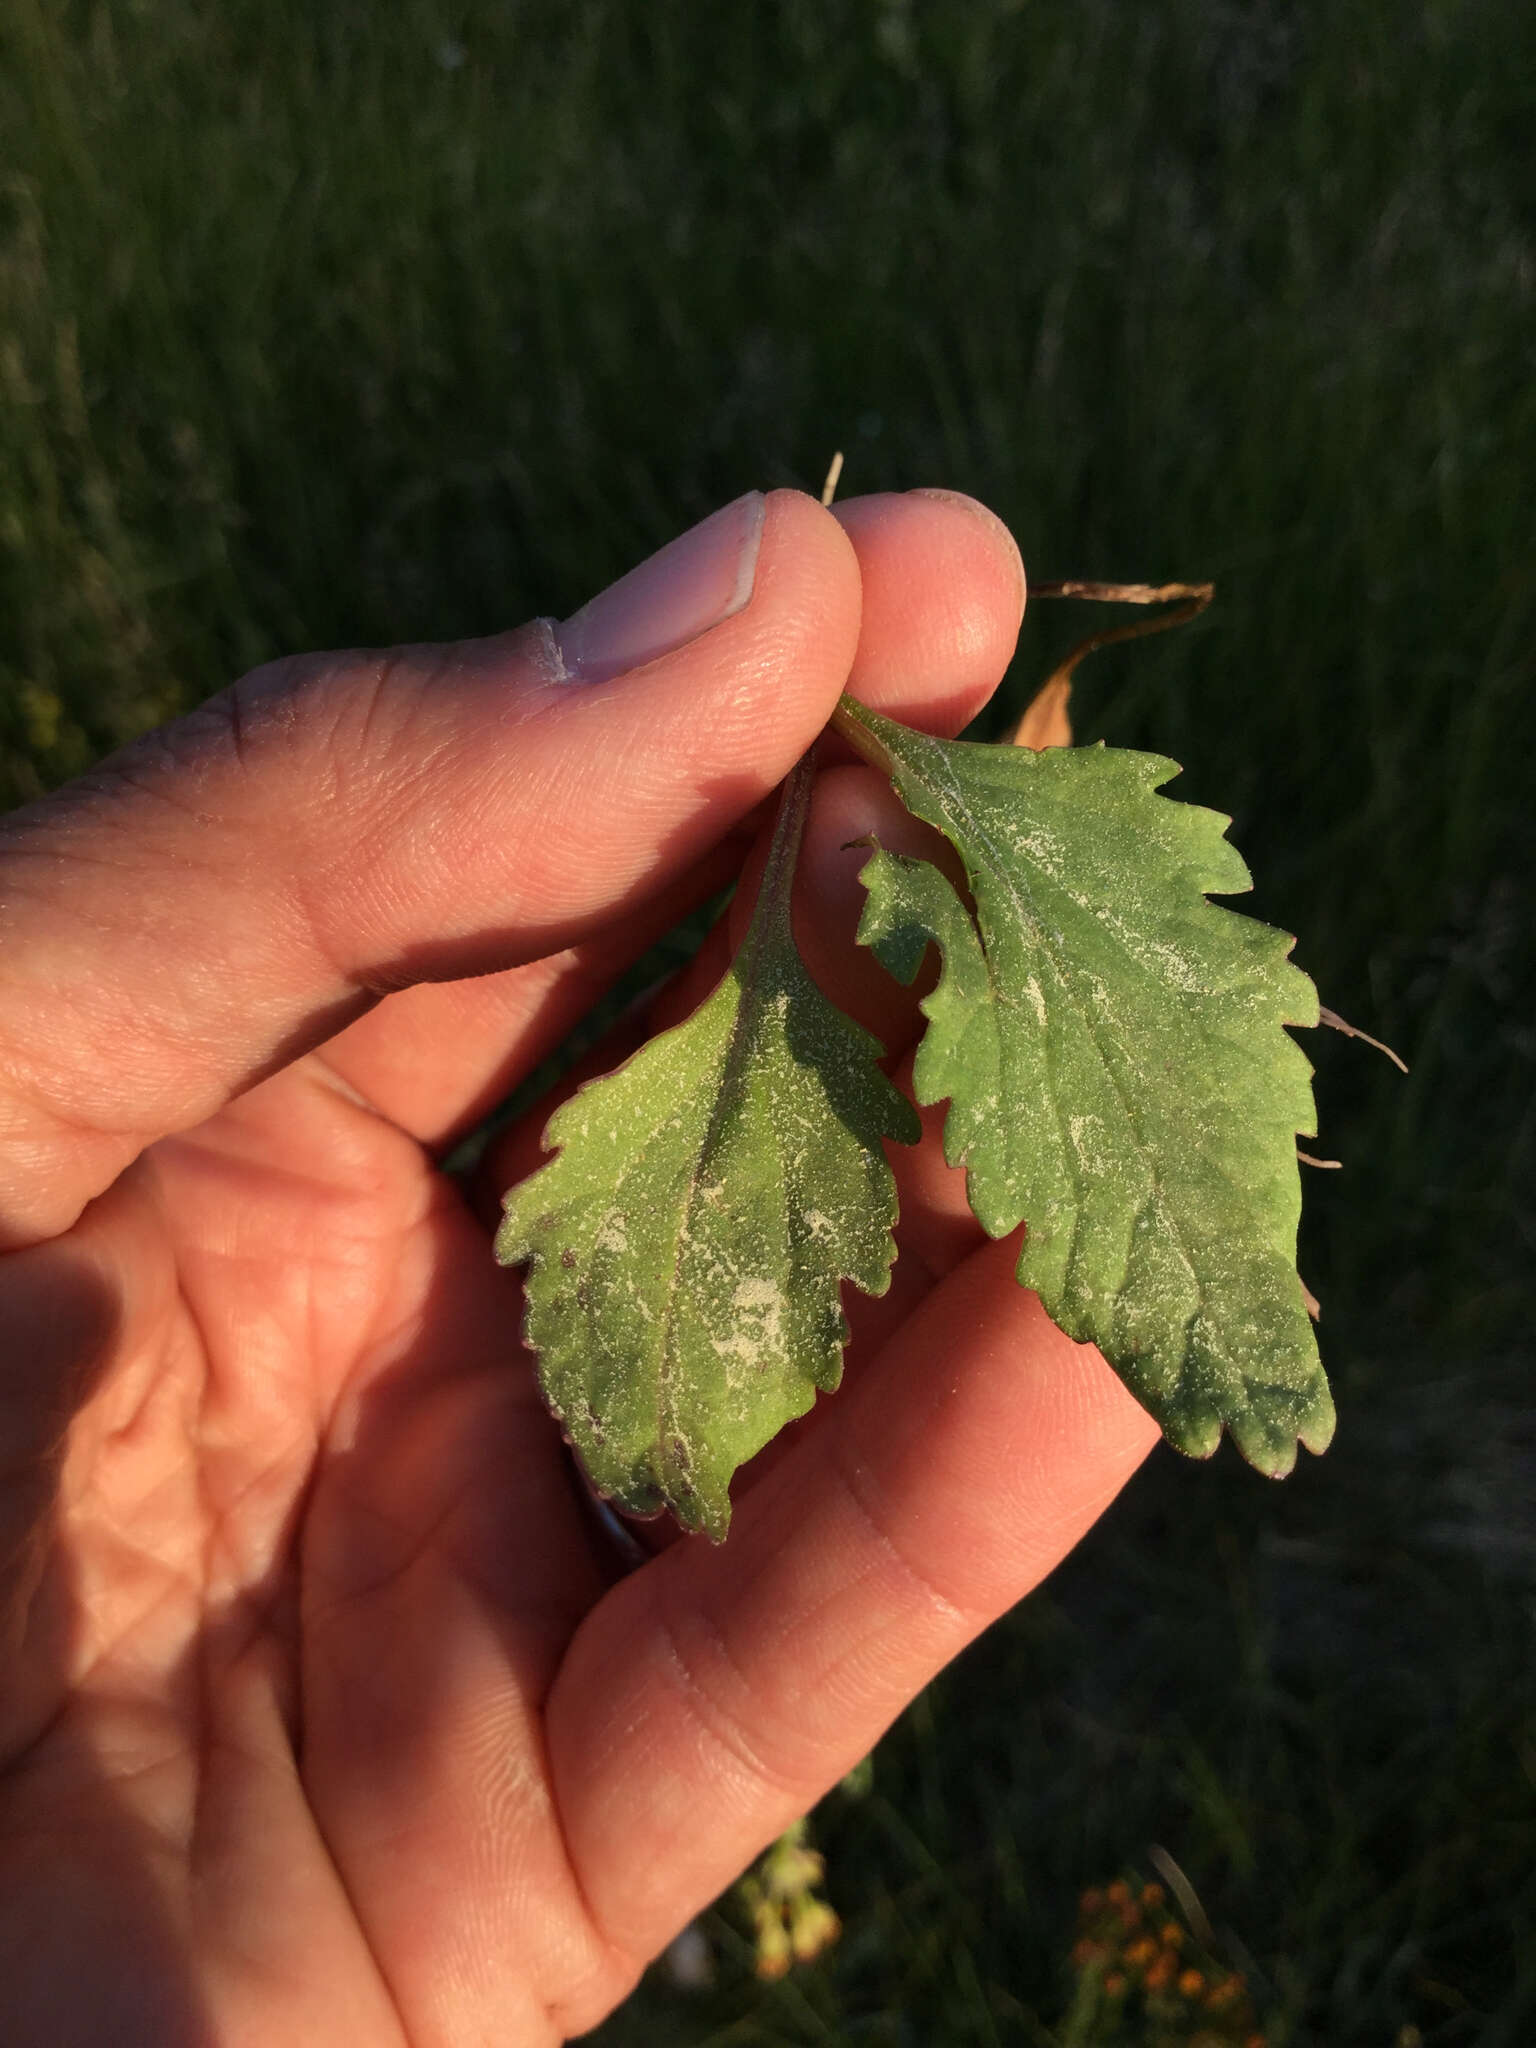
(769, 929)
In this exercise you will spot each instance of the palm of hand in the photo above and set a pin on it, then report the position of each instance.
(309, 1489)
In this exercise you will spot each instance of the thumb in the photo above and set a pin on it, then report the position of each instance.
(240, 885)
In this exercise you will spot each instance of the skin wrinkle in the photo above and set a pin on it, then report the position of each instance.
(175, 1582)
(201, 1737)
(143, 1771)
(418, 1543)
(340, 1168)
(321, 1068)
(158, 1582)
(148, 769)
(221, 1546)
(152, 1393)
(337, 1439)
(284, 713)
(853, 1475)
(185, 1581)
(563, 2011)
(367, 704)
(50, 1106)
(350, 1257)
(22, 1083)
(126, 1739)
(643, 795)
(623, 1969)
(715, 1721)
(274, 1637)
(161, 1815)
(437, 761)
(724, 1728)
(327, 903)
(217, 1745)
(307, 882)
(239, 739)
(382, 1976)
(551, 1619)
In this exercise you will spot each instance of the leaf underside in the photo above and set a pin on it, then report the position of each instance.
(1111, 1047)
(687, 1243)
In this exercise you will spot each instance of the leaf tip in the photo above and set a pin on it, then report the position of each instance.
(1193, 1434)
(1270, 1434)
(1316, 1431)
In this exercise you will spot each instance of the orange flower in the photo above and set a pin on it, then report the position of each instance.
(1160, 1975)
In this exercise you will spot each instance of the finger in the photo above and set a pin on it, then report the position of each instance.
(853, 811)
(439, 1057)
(943, 595)
(942, 591)
(938, 1224)
(234, 889)
(740, 1683)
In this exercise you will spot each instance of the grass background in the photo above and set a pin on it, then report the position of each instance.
(325, 324)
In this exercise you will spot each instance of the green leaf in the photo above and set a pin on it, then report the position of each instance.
(687, 1244)
(1110, 1044)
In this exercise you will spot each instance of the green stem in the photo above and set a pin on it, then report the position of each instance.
(852, 722)
(770, 913)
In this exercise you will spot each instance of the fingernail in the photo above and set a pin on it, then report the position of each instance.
(696, 581)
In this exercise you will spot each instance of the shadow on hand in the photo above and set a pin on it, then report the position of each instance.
(93, 1940)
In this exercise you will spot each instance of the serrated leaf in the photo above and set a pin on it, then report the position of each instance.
(687, 1243)
(1110, 1044)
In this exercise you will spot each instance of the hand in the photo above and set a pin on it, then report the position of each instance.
(327, 1712)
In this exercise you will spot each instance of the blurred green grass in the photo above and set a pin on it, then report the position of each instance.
(331, 324)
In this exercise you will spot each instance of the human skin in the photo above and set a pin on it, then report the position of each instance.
(328, 1714)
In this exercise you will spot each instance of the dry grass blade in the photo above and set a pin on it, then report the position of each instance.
(1185, 600)
(1336, 1023)
(1184, 1892)
(1046, 722)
